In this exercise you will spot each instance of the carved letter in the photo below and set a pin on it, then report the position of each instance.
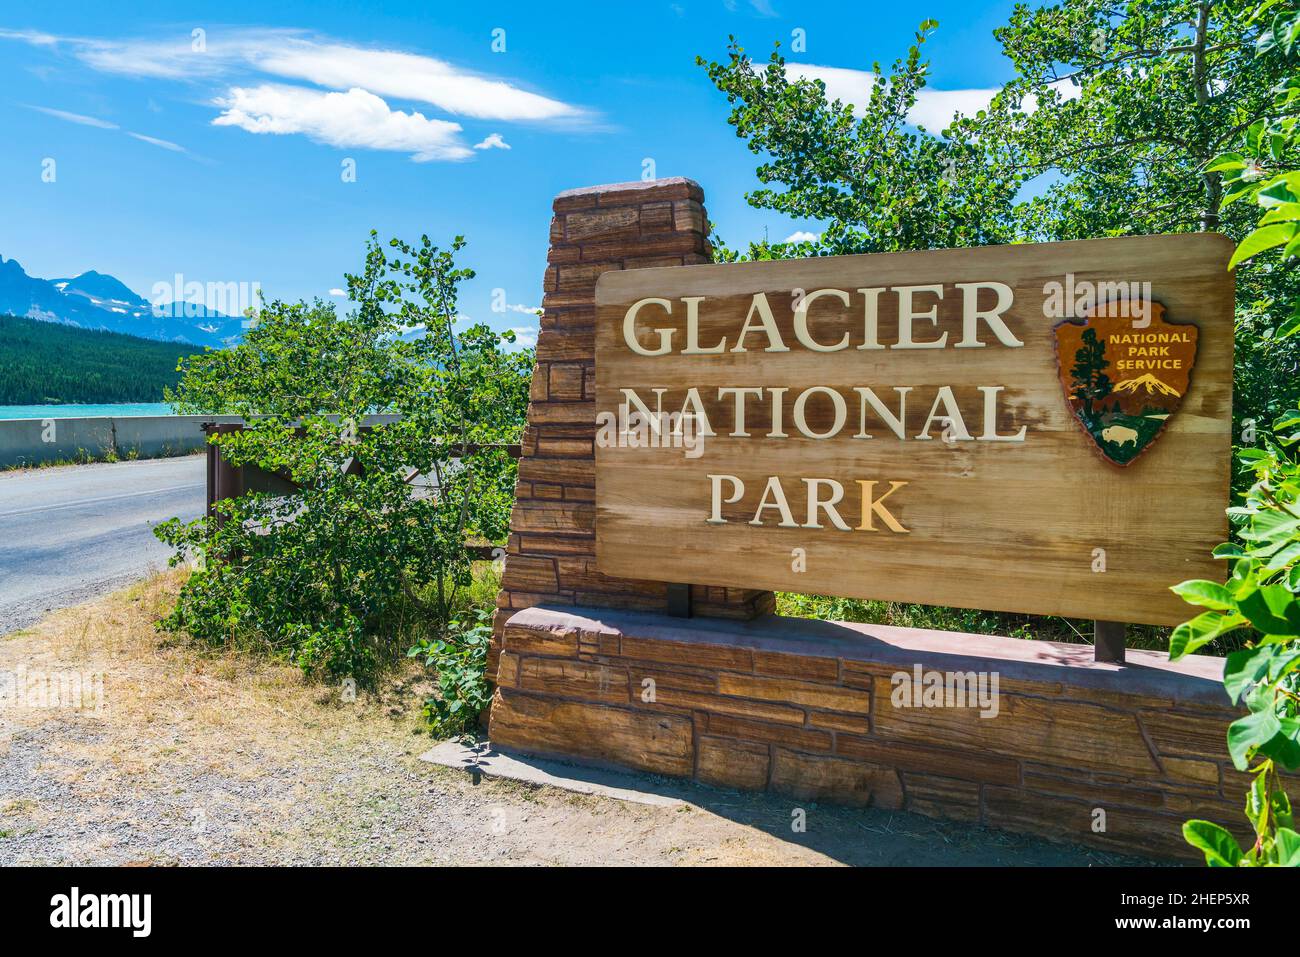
(778, 502)
(767, 323)
(907, 314)
(815, 504)
(693, 330)
(801, 321)
(971, 314)
(738, 490)
(991, 417)
(629, 329)
(875, 506)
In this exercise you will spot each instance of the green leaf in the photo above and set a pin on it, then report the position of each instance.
(1253, 133)
(1219, 846)
(1271, 525)
(1284, 746)
(1286, 212)
(1290, 326)
(1253, 665)
(1207, 594)
(1283, 557)
(1293, 247)
(1257, 802)
(1279, 192)
(1226, 161)
(1272, 609)
(1200, 631)
(1287, 843)
(1262, 240)
(1286, 29)
(1248, 733)
(1282, 809)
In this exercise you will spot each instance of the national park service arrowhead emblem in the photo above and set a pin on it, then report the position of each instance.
(1125, 371)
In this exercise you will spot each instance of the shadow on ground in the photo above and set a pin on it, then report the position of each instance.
(852, 836)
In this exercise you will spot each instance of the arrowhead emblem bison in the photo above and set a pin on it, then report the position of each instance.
(1125, 371)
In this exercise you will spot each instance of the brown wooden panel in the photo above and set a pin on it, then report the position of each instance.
(1001, 525)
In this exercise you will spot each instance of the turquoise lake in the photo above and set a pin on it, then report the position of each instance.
(76, 411)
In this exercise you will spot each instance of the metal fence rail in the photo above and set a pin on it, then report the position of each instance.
(225, 480)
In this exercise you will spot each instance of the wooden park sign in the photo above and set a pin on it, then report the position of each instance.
(1037, 428)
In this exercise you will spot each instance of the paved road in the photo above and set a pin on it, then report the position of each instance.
(71, 533)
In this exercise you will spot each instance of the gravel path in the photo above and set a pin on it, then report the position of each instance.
(197, 758)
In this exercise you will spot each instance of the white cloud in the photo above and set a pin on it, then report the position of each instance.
(519, 307)
(154, 141)
(34, 37)
(297, 55)
(168, 59)
(350, 110)
(356, 118)
(761, 7)
(525, 336)
(408, 76)
(76, 118)
(99, 124)
(934, 109)
(1065, 88)
(801, 236)
(337, 292)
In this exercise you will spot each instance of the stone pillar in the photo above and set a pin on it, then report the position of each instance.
(551, 555)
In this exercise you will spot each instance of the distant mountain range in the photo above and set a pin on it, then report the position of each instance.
(94, 300)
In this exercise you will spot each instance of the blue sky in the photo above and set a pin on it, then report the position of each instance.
(225, 164)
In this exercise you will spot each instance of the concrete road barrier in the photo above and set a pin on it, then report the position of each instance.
(37, 441)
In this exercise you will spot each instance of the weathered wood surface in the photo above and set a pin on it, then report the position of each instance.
(1000, 525)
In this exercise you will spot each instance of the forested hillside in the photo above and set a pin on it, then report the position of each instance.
(45, 362)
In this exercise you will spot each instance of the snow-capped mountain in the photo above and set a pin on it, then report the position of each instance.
(1152, 384)
(94, 300)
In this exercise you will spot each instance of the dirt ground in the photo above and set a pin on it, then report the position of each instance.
(203, 758)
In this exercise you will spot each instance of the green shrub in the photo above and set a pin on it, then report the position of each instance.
(1261, 595)
(332, 575)
(460, 660)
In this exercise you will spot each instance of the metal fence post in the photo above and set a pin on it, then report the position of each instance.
(679, 600)
(1108, 641)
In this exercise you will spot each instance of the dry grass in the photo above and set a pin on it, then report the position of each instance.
(202, 756)
(153, 678)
